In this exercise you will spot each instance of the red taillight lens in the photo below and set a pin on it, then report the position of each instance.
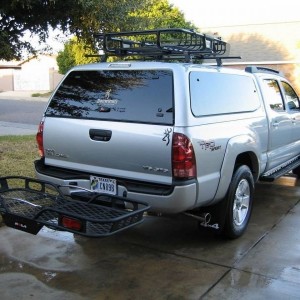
(39, 139)
(71, 223)
(184, 163)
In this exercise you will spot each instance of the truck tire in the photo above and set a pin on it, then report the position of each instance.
(239, 202)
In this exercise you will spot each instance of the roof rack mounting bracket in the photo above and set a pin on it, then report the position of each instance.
(260, 69)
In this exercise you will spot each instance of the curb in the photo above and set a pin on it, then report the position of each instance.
(10, 128)
(20, 98)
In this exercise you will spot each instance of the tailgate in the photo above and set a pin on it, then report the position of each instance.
(139, 152)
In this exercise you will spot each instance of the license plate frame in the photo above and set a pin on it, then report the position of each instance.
(103, 185)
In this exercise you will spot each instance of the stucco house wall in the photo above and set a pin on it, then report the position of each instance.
(38, 73)
(6, 79)
(275, 45)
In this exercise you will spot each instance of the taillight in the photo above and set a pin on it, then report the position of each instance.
(183, 157)
(39, 139)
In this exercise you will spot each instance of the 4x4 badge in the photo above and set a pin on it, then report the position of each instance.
(166, 138)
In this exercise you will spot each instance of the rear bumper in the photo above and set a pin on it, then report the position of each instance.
(161, 198)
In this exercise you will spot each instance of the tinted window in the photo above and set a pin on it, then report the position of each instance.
(273, 95)
(217, 93)
(290, 95)
(132, 96)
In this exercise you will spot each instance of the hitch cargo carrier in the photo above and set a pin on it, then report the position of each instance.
(28, 204)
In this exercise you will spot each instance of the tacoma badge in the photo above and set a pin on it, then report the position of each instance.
(155, 169)
(52, 152)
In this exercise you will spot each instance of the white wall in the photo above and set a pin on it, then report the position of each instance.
(34, 75)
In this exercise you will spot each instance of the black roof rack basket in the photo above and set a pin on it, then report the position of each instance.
(173, 43)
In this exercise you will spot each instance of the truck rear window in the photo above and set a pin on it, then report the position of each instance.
(144, 96)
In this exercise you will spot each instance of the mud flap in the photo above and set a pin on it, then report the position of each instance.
(28, 204)
(218, 216)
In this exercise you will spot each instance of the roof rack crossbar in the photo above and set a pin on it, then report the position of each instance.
(157, 43)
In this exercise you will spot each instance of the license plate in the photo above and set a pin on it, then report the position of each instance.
(103, 185)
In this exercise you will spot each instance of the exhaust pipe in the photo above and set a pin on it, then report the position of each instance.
(204, 220)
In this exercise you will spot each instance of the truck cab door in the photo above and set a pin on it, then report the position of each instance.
(280, 124)
(293, 108)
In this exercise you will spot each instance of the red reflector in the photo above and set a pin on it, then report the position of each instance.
(39, 139)
(71, 223)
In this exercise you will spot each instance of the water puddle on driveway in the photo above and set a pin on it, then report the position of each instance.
(49, 250)
(108, 268)
(29, 264)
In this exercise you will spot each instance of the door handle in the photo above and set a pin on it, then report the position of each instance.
(101, 135)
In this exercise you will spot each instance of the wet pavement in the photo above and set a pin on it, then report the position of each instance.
(163, 258)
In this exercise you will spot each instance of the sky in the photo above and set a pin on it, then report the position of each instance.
(215, 13)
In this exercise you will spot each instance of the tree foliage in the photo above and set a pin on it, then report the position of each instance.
(75, 53)
(157, 14)
(78, 17)
(149, 14)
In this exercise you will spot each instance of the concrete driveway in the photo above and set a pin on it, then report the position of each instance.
(164, 258)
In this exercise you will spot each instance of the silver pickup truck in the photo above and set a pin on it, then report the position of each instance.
(183, 137)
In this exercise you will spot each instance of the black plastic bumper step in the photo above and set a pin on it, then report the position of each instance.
(280, 171)
(28, 204)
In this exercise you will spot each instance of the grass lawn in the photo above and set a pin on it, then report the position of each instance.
(41, 94)
(17, 154)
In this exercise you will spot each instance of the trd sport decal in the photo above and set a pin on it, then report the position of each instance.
(209, 145)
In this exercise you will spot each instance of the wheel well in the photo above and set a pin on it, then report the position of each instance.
(249, 159)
